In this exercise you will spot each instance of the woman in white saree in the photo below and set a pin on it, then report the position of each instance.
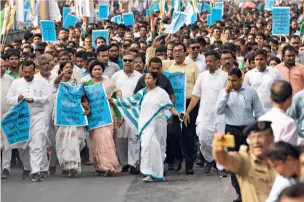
(152, 126)
(69, 139)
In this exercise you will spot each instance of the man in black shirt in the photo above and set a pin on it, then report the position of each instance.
(155, 65)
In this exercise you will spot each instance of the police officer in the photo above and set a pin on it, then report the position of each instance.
(253, 173)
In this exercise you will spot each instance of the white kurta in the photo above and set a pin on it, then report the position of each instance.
(49, 124)
(208, 87)
(152, 127)
(6, 82)
(36, 90)
(127, 142)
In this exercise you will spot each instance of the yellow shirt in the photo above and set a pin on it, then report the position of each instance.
(255, 177)
(188, 67)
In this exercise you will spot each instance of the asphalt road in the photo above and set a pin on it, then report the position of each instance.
(123, 187)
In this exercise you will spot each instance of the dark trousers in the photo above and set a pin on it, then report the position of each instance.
(184, 138)
(239, 139)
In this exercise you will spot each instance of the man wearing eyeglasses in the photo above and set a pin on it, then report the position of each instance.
(254, 174)
(193, 49)
(127, 144)
(187, 134)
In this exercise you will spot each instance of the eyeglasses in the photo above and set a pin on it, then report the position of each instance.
(127, 60)
(195, 47)
(258, 137)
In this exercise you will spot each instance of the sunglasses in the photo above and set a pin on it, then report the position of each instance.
(195, 47)
(127, 60)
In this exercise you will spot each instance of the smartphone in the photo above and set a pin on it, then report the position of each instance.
(227, 141)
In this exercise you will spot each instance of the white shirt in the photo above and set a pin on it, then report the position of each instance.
(278, 186)
(261, 82)
(126, 83)
(35, 89)
(207, 87)
(200, 61)
(6, 82)
(284, 128)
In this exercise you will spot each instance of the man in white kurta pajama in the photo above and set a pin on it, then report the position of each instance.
(45, 74)
(127, 142)
(6, 81)
(34, 91)
(207, 88)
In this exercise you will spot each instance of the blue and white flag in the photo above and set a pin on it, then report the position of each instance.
(130, 108)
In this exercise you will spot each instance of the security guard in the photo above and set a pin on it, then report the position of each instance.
(254, 175)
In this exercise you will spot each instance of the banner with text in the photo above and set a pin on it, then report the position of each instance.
(16, 125)
(280, 21)
(100, 109)
(178, 81)
(69, 111)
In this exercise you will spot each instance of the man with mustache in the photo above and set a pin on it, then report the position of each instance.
(33, 91)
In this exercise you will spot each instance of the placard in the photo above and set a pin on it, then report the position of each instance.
(99, 33)
(48, 31)
(69, 111)
(16, 125)
(280, 21)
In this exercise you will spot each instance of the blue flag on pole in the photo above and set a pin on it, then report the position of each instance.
(116, 19)
(216, 14)
(70, 21)
(100, 109)
(209, 19)
(128, 19)
(280, 20)
(99, 33)
(48, 31)
(103, 12)
(16, 125)
(269, 5)
(178, 81)
(69, 111)
(65, 12)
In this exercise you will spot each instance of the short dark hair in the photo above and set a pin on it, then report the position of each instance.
(28, 63)
(212, 53)
(12, 53)
(100, 37)
(293, 191)
(235, 71)
(153, 74)
(102, 48)
(275, 59)
(121, 26)
(193, 41)
(155, 60)
(37, 35)
(280, 90)
(202, 41)
(279, 151)
(226, 51)
(142, 57)
(95, 63)
(112, 45)
(261, 52)
(261, 34)
(288, 48)
(27, 35)
(81, 54)
(180, 44)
